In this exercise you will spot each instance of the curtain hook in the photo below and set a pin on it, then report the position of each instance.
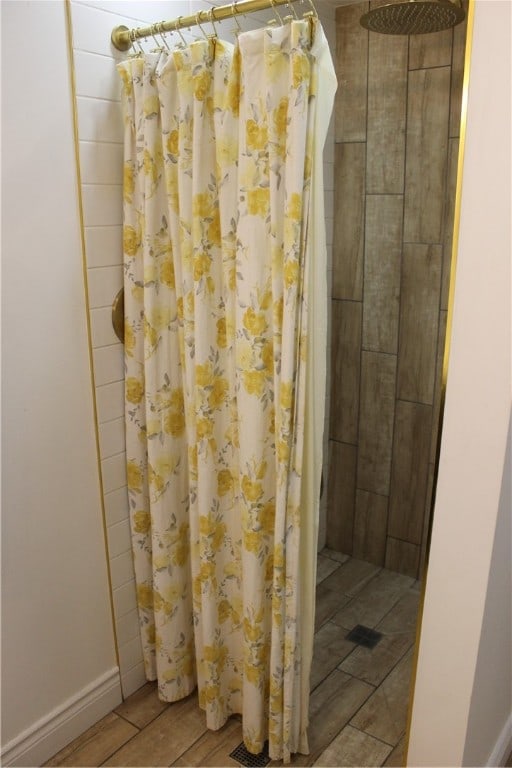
(292, 9)
(234, 11)
(153, 32)
(210, 19)
(177, 25)
(159, 30)
(275, 11)
(198, 23)
(135, 40)
(313, 12)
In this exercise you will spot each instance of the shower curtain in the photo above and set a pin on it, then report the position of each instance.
(223, 240)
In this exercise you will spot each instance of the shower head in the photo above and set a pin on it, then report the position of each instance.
(413, 17)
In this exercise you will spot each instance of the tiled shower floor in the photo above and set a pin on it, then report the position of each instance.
(359, 697)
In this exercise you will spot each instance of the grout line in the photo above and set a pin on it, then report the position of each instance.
(418, 242)
(378, 351)
(107, 226)
(118, 418)
(108, 266)
(353, 301)
(101, 141)
(102, 184)
(424, 69)
(98, 98)
(384, 194)
(140, 729)
(351, 142)
(366, 733)
(342, 442)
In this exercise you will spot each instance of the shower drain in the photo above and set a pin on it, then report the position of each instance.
(246, 758)
(364, 636)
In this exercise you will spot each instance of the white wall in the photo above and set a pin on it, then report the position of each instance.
(59, 670)
(491, 700)
(462, 560)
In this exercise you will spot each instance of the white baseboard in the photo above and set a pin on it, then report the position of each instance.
(503, 746)
(51, 733)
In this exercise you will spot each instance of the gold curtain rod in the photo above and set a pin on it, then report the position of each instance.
(122, 37)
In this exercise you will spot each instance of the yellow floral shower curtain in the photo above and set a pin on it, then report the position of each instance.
(219, 143)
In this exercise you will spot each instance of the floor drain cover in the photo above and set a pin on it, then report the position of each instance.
(364, 636)
(245, 758)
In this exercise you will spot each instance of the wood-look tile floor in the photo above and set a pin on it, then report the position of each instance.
(359, 697)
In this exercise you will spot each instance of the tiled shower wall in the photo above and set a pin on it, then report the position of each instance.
(397, 136)
(100, 134)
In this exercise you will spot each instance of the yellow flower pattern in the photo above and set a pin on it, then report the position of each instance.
(216, 200)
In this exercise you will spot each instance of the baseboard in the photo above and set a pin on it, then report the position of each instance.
(503, 746)
(51, 733)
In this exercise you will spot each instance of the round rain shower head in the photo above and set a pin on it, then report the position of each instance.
(413, 17)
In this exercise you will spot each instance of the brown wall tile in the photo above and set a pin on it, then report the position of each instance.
(382, 272)
(348, 239)
(370, 527)
(342, 491)
(459, 48)
(351, 71)
(432, 50)
(403, 286)
(441, 338)
(387, 89)
(419, 308)
(403, 557)
(427, 146)
(449, 218)
(346, 319)
(426, 519)
(376, 414)
(411, 447)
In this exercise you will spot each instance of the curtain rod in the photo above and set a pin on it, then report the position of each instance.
(122, 37)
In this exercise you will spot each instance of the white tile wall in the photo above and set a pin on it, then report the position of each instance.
(100, 130)
(104, 245)
(101, 162)
(109, 363)
(110, 401)
(112, 438)
(122, 565)
(116, 505)
(124, 600)
(114, 472)
(127, 627)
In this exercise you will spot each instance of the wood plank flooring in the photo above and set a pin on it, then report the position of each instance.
(359, 697)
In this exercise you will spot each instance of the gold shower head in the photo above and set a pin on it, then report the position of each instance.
(413, 17)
